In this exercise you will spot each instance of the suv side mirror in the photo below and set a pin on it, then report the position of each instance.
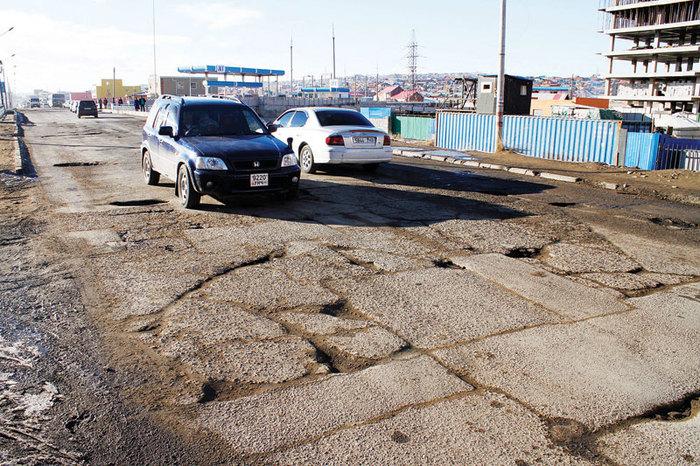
(166, 131)
(271, 127)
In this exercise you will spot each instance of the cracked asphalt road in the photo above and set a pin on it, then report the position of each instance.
(423, 314)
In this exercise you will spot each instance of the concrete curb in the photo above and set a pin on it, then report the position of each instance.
(133, 113)
(493, 166)
(18, 146)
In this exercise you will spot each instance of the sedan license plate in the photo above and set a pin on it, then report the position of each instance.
(364, 140)
(259, 179)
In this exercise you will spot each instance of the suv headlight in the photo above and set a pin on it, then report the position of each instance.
(289, 160)
(209, 163)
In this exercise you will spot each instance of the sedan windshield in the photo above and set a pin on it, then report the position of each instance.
(342, 118)
(220, 121)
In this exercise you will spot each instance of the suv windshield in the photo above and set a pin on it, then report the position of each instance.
(342, 118)
(87, 104)
(220, 121)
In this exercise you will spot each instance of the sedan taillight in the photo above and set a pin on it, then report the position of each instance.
(387, 140)
(335, 141)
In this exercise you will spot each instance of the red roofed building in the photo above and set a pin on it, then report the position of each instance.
(409, 96)
(388, 93)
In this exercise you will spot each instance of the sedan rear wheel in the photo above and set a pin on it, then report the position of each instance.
(188, 196)
(307, 160)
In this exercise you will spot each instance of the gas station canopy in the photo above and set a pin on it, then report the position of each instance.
(235, 70)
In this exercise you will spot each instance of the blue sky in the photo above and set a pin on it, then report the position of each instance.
(70, 44)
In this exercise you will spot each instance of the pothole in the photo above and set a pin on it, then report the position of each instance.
(673, 223)
(208, 393)
(77, 164)
(562, 204)
(137, 202)
(444, 264)
(523, 253)
(334, 309)
(685, 409)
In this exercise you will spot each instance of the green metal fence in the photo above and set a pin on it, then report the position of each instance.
(413, 127)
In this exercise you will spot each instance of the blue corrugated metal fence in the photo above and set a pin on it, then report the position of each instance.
(565, 139)
(653, 151)
(641, 150)
(465, 131)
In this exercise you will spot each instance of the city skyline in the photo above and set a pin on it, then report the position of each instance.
(456, 37)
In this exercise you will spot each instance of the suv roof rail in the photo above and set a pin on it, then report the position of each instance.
(170, 96)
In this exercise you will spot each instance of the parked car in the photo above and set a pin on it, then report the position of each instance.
(87, 108)
(34, 102)
(333, 136)
(214, 147)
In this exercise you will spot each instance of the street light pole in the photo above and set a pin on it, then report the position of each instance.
(155, 73)
(500, 96)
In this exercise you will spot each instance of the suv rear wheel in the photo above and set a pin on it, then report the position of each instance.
(189, 198)
(149, 175)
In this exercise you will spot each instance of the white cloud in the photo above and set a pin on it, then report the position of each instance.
(59, 54)
(218, 15)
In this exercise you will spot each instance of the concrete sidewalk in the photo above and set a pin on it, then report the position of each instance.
(675, 185)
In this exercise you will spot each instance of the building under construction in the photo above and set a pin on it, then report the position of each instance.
(653, 56)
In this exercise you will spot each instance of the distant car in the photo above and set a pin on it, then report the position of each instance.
(87, 108)
(214, 147)
(333, 136)
(34, 102)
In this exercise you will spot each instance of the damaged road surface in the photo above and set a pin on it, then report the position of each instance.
(421, 314)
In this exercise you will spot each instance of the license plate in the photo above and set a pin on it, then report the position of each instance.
(259, 179)
(364, 140)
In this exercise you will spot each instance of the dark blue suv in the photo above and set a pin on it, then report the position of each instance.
(216, 147)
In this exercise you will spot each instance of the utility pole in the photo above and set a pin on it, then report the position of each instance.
(114, 85)
(291, 65)
(377, 95)
(500, 91)
(3, 92)
(413, 58)
(333, 33)
(155, 73)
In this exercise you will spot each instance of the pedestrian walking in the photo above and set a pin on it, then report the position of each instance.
(121, 101)
(137, 104)
(142, 101)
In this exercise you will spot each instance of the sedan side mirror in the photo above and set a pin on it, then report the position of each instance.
(166, 131)
(271, 127)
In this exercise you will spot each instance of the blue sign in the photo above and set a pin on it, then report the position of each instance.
(2, 87)
(253, 85)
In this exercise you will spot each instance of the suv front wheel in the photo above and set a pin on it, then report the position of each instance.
(188, 196)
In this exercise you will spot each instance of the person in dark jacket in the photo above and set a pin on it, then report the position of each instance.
(137, 104)
(142, 101)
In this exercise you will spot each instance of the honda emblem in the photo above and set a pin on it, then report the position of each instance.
(256, 164)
